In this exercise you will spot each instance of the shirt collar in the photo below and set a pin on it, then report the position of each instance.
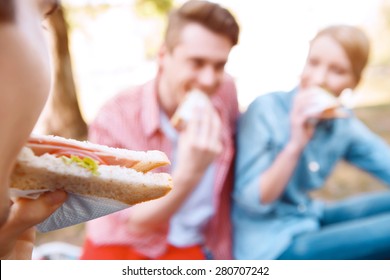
(289, 100)
(167, 128)
(151, 108)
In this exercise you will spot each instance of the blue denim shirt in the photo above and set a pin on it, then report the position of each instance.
(265, 231)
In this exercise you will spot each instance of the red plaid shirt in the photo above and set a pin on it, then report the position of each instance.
(131, 120)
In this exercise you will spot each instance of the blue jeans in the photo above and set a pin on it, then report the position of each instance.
(355, 228)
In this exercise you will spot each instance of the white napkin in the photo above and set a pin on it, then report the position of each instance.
(77, 209)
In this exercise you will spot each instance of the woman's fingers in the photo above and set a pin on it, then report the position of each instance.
(26, 213)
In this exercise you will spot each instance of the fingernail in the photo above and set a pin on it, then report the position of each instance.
(56, 197)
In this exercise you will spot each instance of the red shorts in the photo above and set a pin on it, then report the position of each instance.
(125, 252)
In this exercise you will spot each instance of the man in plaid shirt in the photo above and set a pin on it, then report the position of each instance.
(193, 220)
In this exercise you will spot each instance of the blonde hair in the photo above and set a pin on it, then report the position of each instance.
(354, 42)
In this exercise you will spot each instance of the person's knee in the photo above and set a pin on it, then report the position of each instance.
(297, 251)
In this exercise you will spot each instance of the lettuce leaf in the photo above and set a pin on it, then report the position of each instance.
(86, 162)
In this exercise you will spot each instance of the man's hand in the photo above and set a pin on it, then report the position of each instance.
(200, 142)
(17, 235)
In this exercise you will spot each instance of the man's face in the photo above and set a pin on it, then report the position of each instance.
(197, 61)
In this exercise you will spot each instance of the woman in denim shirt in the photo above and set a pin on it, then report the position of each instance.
(283, 155)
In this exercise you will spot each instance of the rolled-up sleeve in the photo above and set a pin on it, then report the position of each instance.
(369, 152)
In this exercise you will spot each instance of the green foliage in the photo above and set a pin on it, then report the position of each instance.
(153, 8)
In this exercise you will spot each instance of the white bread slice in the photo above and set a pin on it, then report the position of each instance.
(184, 112)
(119, 183)
(326, 106)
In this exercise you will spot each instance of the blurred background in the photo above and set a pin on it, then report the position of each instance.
(100, 47)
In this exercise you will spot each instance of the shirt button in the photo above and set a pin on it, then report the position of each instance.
(314, 166)
(301, 208)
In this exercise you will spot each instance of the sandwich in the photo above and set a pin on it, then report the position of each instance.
(83, 168)
(194, 98)
(326, 106)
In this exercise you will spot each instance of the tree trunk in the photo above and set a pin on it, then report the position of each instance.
(63, 116)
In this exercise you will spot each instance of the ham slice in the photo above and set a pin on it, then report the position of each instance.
(41, 144)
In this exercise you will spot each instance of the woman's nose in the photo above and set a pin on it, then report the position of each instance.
(319, 77)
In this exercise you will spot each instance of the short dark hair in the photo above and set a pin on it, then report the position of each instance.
(210, 15)
(7, 11)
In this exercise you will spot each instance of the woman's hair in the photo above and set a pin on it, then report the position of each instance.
(354, 42)
(7, 11)
(210, 15)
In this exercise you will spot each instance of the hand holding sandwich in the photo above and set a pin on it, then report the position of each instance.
(198, 146)
(200, 132)
(310, 106)
(199, 143)
(17, 235)
(302, 128)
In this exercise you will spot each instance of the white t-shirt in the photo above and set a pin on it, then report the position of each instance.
(187, 224)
